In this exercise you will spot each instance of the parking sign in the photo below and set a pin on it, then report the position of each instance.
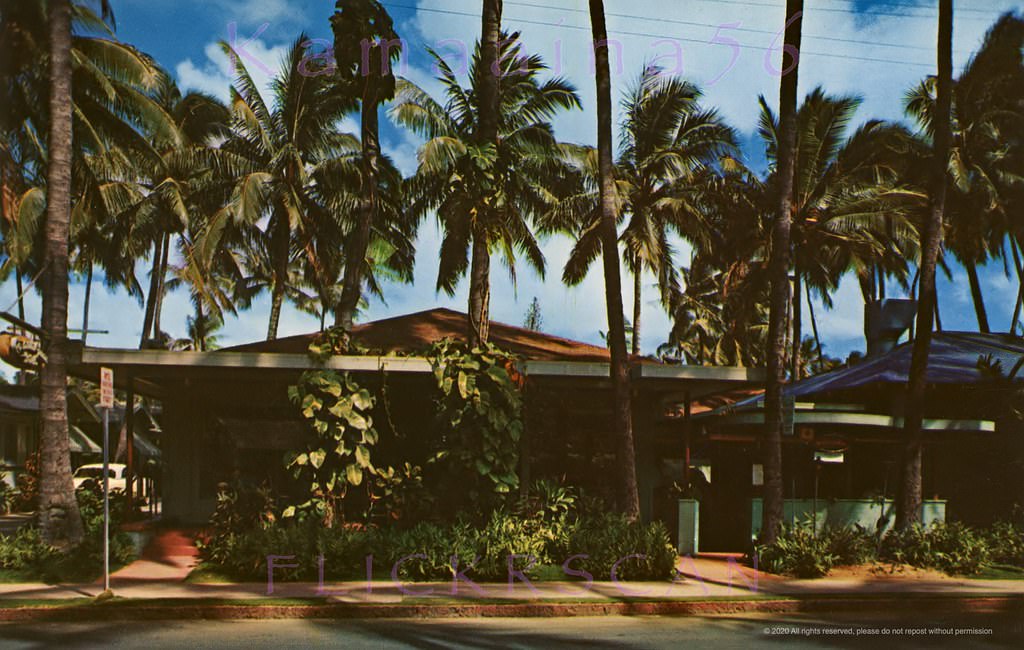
(106, 388)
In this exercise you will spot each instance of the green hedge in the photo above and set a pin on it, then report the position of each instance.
(950, 547)
(29, 558)
(425, 551)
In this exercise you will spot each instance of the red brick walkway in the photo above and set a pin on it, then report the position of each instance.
(170, 555)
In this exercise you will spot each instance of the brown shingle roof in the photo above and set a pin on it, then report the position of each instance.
(413, 333)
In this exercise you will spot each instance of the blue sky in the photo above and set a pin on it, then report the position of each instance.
(875, 49)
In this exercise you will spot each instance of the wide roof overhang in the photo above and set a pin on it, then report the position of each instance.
(151, 371)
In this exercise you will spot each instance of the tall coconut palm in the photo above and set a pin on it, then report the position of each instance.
(983, 198)
(114, 116)
(720, 317)
(908, 502)
(59, 518)
(779, 262)
(270, 159)
(483, 193)
(365, 47)
(667, 140)
(850, 208)
(629, 500)
(174, 184)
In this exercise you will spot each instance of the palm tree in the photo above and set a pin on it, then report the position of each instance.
(850, 211)
(367, 72)
(984, 168)
(779, 261)
(629, 500)
(667, 140)
(908, 502)
(59, 518)
(174, 184)
(270, 160)
(482, 193)
(200, 330)
(721, 316)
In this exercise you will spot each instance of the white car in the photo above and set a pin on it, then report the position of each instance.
(94, 472)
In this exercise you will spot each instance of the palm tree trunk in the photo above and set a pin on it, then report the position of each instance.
(280, 247)
(629, 500)
(200, 343)
(979, 299)
(355, 258)
(21, 293)
(154, 283)
(1020, 283)
(158, 307)
(908, 498)
(85, 307)
(780, 302)
(59, 518)
(490, 109)
(814, 323)
(479, 291)
(797, 325)
(490, 93)
(637, 306)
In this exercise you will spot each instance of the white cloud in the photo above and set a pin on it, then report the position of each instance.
(214, 74)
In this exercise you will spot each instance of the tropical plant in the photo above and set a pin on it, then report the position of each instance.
(667, 141)
(274, 155)
(985, 177)
(850, 209)
(721, 316)
(479, 409)
(484, 195)
(365, 47)
(337, 410)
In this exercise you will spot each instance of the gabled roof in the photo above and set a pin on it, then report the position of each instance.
(413, 333)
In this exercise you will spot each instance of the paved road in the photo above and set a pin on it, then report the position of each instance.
(744, 631)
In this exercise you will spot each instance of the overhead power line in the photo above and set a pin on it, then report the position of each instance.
(751, 30)
(671, 37)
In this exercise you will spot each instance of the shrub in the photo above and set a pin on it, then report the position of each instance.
(433, 545)
(26, 552)
(506, 535)
(344, 550)
(611, 538)
(1006, 543)
(798, 552)
(850, 545)
(239, 510)
(950, 547)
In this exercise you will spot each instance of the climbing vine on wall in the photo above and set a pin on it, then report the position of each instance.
(479, 410)
(338, 456)
(337, 409)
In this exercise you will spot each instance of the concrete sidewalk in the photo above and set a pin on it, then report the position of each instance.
(702, 578)
(170, 555)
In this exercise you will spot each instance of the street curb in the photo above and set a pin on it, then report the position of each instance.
(128, 611)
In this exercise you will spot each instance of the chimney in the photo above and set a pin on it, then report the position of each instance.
(885, 321)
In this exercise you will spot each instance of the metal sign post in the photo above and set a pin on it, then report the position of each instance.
(106, 403)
